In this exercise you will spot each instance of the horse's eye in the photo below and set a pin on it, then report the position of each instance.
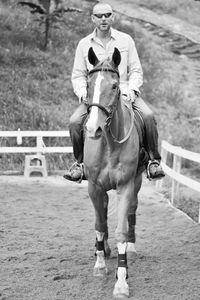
(114, 86)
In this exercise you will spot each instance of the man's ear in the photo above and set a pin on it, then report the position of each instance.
(92, 18)
(113, 17)
(116, 57)
(92, 57)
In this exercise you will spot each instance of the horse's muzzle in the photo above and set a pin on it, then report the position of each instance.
(93, 133)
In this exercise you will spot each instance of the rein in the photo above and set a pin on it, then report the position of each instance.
(99, 106)
(110, 114)
(129, 132)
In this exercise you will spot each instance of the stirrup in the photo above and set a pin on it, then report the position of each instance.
(152, 162)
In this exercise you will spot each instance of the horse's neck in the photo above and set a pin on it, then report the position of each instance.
(118, 124)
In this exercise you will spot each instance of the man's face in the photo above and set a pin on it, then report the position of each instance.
(103, 17)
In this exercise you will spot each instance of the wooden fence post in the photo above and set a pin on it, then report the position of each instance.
(175, 184)
(159, 183)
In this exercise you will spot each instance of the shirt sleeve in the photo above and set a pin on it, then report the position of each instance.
(79, 73)
(135, 73)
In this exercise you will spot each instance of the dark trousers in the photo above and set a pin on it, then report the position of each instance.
(80, 114)
(150, 124)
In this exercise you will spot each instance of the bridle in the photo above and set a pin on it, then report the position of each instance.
(108, 113)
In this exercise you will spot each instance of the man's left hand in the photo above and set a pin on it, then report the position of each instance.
(131, 96)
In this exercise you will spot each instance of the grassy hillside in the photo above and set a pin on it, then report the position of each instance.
(35, 87)
(186, 10)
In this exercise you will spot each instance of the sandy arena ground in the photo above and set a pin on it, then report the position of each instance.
(47, 245)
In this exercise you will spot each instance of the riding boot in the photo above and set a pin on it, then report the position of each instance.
(76, 173)
(154, 169)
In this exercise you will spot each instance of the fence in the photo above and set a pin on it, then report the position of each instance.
(39, 150)
(174, 172)
(40, 147)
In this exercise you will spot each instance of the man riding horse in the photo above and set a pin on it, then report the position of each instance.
(103, 40)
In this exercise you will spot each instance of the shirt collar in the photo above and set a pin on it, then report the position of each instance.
(113, 34)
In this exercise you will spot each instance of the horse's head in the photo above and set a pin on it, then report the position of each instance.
(103, 92)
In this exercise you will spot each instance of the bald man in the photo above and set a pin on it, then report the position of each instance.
(103, 40)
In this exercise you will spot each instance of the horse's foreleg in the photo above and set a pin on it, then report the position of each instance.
(121, 289)
(100, 265)
(98, 197)
(124, 202)
(125, 194)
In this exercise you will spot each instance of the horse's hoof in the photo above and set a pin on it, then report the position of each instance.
(121, 291)
(131, 248)
(100, 272)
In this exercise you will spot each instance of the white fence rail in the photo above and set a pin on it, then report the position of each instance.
(40, 147)
(174, 172)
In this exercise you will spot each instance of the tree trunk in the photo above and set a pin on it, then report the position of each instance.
(47, 32)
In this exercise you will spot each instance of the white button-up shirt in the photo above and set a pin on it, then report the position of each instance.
(130, 70)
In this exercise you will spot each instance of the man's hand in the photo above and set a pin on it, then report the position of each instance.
(131, 96)
(84, 99)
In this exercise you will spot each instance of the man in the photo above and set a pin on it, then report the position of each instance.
(103, 40)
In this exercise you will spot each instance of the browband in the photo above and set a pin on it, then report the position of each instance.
(105, 70)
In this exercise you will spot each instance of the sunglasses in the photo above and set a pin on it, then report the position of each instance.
(100, 16)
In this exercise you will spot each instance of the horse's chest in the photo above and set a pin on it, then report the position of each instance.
(118, 173)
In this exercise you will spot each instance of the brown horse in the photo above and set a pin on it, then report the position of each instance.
(111, 160)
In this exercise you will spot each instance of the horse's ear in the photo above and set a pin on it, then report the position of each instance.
(116, 57)
(92, 57)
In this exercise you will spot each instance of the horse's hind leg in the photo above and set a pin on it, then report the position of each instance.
(107, 249)
(132, 216)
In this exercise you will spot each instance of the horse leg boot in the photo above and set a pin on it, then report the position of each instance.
(100, 265)
(121, 289)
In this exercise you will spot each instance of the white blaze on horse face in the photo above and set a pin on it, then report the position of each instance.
(92, 121)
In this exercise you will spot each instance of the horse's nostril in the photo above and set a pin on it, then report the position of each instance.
(98, 131)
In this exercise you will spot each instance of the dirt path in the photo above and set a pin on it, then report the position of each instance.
(47, 245)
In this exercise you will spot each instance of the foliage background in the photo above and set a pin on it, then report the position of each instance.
(35, 86)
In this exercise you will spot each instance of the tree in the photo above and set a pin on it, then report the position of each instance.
(50, 12)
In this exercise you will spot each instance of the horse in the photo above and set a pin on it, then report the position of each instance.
(111, 162)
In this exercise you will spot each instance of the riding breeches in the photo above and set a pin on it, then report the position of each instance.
(150, 124)
(76, 131)
(151, 134)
